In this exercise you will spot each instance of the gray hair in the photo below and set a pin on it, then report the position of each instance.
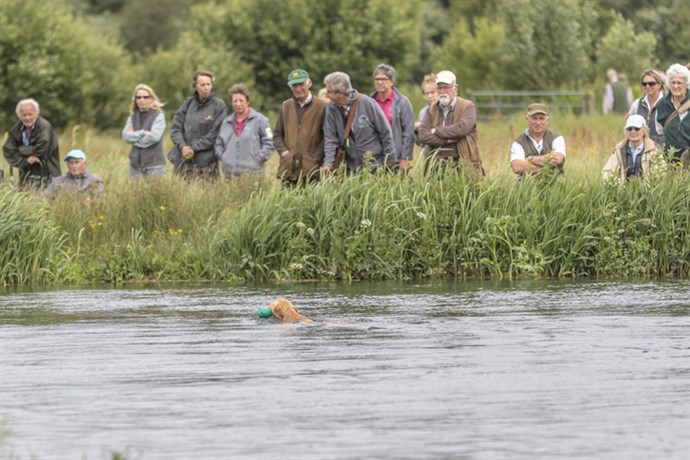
(27, 101)
(387, 70)
(339, 81)
(677, 70)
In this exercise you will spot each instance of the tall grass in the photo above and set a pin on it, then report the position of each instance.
(30, 242)
(358, 227)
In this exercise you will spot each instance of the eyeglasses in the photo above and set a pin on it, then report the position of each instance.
(649, 83)
(143, 97)
(632, 128)
(381, 79)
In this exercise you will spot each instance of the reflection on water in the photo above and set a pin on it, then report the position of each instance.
(530, 370)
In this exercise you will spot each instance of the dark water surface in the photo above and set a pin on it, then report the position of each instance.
(528, 370)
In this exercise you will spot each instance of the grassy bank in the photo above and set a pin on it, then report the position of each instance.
(361, 227)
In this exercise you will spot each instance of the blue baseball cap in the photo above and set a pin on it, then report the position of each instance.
(76, 154)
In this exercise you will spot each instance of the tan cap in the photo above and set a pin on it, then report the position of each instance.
(534, 109)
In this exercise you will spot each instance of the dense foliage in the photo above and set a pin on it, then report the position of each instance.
(354, 228)
(81, 58)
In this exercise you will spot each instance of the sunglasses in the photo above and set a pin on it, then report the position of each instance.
(143, 97)
(649, 83)
(632, 128)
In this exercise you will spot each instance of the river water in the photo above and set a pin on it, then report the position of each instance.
(447, 370)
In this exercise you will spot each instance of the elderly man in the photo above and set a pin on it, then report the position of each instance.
(298, 133)
(449, 127)
(370, 132)
(538, 148)
(76, 180)
(398, 112)
(32, 146)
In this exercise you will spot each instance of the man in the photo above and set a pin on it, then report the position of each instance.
(32, 146)
(538, 148)
(370, 132)
(76, 180)
(298, 134)
(449, 127)
(398, 112)
(617, 94)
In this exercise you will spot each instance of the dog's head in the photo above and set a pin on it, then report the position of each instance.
(284, 310)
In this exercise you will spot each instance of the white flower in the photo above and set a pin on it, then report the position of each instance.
(421, 215)
(310, 231)
(366, 223)
(301, 225)
(294, 266)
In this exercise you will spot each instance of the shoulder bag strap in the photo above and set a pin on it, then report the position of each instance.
(682, 108)
(351, 117)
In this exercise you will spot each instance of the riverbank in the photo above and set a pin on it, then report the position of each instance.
(363, 227)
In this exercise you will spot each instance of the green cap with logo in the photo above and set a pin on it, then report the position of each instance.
(297, 76)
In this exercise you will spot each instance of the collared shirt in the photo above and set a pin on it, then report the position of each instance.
(386, 105)
(518, 153)
(239, 125)
(635, 151)
(306, 101)
(26, 136)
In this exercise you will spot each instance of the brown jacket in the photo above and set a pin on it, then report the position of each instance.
(455, 135)
(299, 130)
(616, 165)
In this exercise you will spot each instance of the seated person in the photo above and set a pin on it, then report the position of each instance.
(634, 156)
(76, 180)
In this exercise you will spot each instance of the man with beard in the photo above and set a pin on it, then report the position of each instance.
(449, 128)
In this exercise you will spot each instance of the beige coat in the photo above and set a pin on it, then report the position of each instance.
(651, 159)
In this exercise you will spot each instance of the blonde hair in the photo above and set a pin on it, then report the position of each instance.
(656, 75)
(429, 79)
(157, 105)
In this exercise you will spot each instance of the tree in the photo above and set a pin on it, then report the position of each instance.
(626, 49)
(473, 57)
(70, 70)
(546, 43)
(319, 35)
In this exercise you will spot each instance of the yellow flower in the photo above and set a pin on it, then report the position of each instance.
(161, 207)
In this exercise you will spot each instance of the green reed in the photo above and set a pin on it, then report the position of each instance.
(30, 242)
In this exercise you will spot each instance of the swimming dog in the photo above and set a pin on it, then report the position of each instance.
(283, 310)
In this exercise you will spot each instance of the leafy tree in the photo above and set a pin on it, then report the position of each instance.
(74, 73)
(169, 73)
(547, 43)
(473, 57)
(319, 35)
(148, 26)
(626, 49)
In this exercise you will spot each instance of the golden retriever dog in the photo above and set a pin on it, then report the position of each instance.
(283, 310)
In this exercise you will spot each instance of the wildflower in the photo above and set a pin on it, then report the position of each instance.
(366, 223)
(421, 215)
(161, 207)
(101, 217)
(300, 225)
(295, 266)
(310, 231)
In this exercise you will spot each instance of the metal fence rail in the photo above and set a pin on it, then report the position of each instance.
(505, 104)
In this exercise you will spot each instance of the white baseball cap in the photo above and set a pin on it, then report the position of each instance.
(445, 76)
(635, 121)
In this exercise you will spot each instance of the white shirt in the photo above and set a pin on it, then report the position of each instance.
(518, 153)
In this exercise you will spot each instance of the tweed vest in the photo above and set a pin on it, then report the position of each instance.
(531, 150)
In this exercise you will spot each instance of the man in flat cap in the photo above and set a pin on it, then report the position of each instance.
(449, 127)
(298, 133)
(538, 148)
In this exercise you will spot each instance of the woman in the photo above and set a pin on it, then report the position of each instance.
(431, 95)
(672, 120)
(653, 86)
(195, 128)
(245, 141)
(144, 130)
(634, 156)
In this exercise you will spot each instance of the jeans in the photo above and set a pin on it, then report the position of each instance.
(147, 172)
